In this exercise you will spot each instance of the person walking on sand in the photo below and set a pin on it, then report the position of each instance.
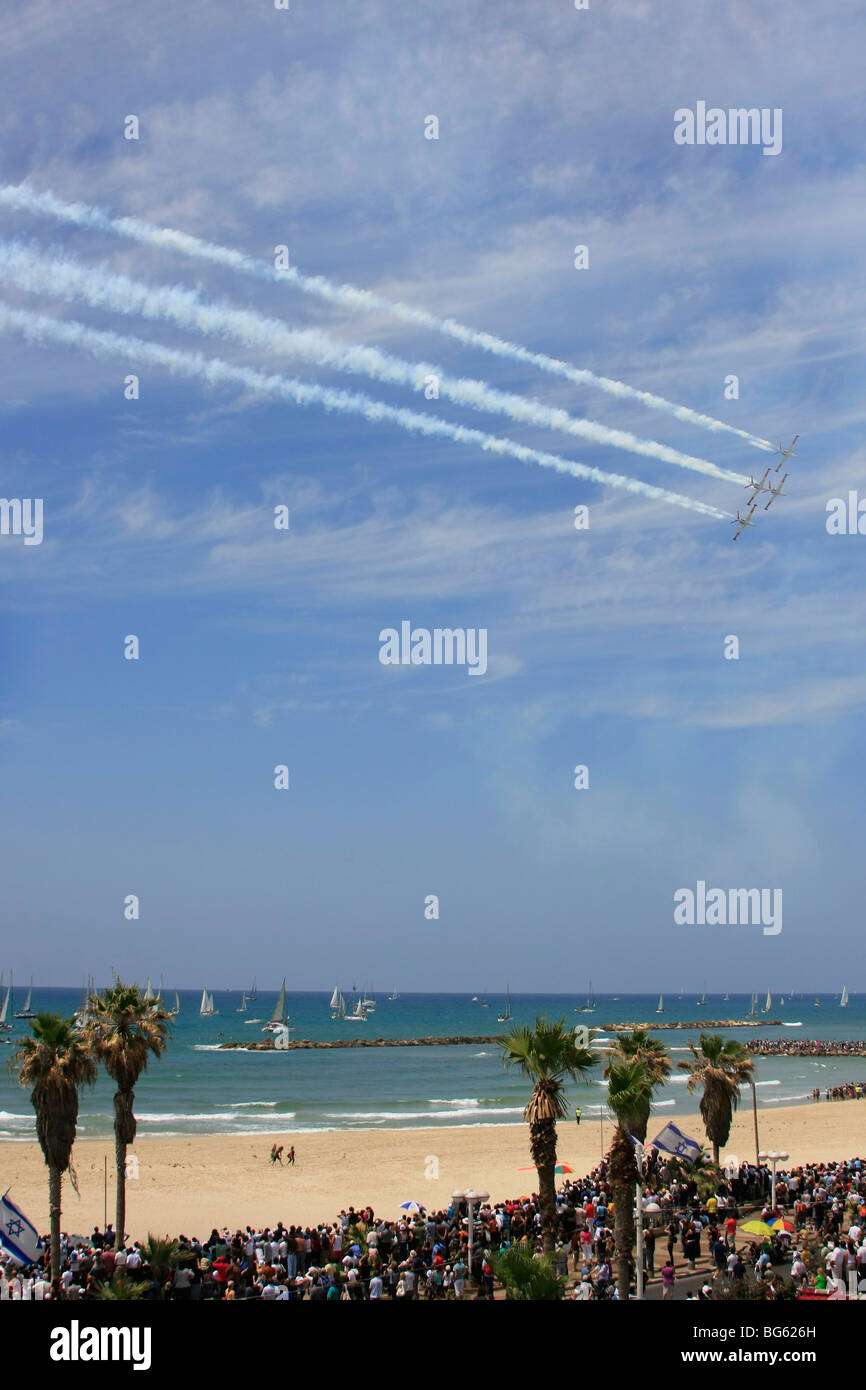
(290, 1156)
(277, 1154)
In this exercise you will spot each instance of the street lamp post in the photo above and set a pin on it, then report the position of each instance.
(774, 1157)
(470, 1198)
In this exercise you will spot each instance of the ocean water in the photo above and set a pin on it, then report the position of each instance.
(197, 1088)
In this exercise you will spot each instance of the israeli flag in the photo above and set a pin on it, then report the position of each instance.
(673, 1141)
(18, 1235)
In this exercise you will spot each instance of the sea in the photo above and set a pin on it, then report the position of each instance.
(197, 1088)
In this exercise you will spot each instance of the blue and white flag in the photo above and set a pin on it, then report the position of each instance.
(18, 1235)
(673, 1141)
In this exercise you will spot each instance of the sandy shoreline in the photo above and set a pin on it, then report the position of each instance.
(192, 1184)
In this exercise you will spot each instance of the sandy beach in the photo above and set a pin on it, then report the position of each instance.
(189, 1185)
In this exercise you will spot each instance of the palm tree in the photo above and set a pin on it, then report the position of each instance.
(720, 1068)
(546, 1057)
(122, 1030)
(638, 1047)
(55, 1063)
(122, 1288)
(162, 1255)
(528, 1277)
(630, 1087)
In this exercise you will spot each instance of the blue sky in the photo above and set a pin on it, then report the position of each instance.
(155, 777)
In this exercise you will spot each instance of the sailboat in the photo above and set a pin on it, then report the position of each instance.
(843, 1002)
(279, 1018)
(337, 1004)
(395, 995)
(817, 1001)
(369, 1002)
(661, 1007)
(726, 996)
(703, 999)
(589, 1007)
(357, 1014)
(505, 1016)
(253, 994)
(26, 1012)
(753, 1007)
(149, 996)
(206, 1008)
(4, 1009)
(768, 1004)
(176, 1010)
(243, 1005)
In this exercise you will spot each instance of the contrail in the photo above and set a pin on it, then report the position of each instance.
(23, 198)
(54, 273)
(38, 328)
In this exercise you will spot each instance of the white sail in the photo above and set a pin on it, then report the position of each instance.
(505, 1016)
(176, 1009)
(5, 1007)
(661, 1007)
(204, 1007)
(279, 1013)
(768, 1004)
(843, 1002)
(26, 1008)
(337, 1004)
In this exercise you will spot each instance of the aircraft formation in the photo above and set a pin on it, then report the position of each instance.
(764, 484)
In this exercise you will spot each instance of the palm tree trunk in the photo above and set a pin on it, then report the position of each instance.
(123, 1123)
(543, 1145)
(623, 1232)
(55, 1179)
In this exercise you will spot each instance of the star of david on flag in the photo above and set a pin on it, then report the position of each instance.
(673, 1141)
(18, 1235)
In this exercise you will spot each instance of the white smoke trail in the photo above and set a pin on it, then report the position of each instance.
(38, 328)
(54, 273)
(23, 198)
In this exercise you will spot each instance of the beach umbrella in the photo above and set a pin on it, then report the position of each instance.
(410, 1206)
(560, 1168)
(780, 1223)
(756, 1228)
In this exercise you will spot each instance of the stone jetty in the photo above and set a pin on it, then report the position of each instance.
(463, 1040)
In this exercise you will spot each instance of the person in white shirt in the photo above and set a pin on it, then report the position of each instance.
(376, 1286)
(838, 1262)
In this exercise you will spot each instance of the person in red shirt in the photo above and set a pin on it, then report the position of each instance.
(221, 1271)
(731, 1231)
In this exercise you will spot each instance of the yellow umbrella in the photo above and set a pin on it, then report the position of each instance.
(757, 1228)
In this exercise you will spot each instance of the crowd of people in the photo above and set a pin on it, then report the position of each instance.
(426, 1254)
(805, 1047)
